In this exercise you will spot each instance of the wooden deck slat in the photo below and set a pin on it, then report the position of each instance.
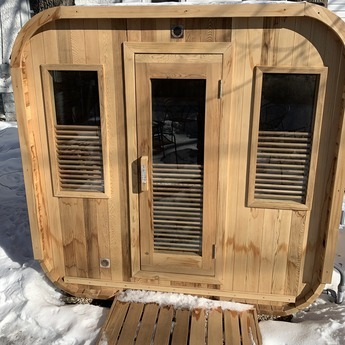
(148, 323)
(115, 320)
(252, 326)
(163, 329)
(181, 329)
(215, 327)
(245, 328)
(257, 328)
(197, 327)
(231, 328)
(130, 325)
(140, 324)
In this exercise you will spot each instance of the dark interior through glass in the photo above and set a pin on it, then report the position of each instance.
(178, 120)
(288, 102)
(76, 97)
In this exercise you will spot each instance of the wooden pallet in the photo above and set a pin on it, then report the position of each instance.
(140, 324)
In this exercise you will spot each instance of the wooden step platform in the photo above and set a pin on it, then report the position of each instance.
(137, 323)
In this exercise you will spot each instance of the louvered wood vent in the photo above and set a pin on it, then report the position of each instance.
(177, 207)
(282, 166)
(79, 156)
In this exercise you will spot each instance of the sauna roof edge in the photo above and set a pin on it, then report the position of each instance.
(233, 10)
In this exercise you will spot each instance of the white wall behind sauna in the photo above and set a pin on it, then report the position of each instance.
(13, 15)
(338, 7)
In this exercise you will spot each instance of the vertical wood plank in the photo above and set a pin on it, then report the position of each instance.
(256, 229)
(181, 329)
(120, 188)
(223, 29)
(197, 327)
(73, 235)
(279, 269)
(111, 159)
(215, 327)
(64, 41)
(50, 39)
(301, 48)
(133, 30)
(162, 336)
(163, 30)
(77, 41)
(132, 155)
(286, 39)
(295, 252)
(91, 34)
(269, 238)
(192, 33)
(234, 262)
(91, 238)
(224, 170)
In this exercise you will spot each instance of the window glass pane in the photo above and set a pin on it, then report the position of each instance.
(76, 97)
(287, 102)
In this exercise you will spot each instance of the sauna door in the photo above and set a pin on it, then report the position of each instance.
(178, 114)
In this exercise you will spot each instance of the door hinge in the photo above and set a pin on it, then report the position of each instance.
(220, 89)
(213, 251)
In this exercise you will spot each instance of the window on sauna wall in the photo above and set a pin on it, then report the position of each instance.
(76, 148)
(285, 114)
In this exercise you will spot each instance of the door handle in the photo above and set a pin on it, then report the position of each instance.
(143, 174)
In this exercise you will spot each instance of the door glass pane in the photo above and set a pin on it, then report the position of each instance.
(178, 125)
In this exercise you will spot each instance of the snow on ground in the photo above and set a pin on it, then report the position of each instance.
(31, 310)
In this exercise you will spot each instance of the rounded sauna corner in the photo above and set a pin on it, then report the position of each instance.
(77, 290)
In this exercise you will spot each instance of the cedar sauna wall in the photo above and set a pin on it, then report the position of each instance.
(268, 257)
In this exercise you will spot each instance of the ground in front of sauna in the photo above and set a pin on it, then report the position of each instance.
(32, 311)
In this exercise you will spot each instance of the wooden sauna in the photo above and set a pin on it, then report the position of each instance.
(184, 148)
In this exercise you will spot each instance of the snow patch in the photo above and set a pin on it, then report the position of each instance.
(179, 301)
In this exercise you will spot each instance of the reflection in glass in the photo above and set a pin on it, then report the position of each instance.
(178, 125)
(287, 102)
(76, 97)
(178, 111)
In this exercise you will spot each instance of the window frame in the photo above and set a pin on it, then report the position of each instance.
(51, 123)
(259, 71)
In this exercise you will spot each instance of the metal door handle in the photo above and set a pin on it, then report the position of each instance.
(143, 173)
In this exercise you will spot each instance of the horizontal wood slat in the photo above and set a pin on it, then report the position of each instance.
(177, 207)
(282, 165)
(146, 324)
(79, 158)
